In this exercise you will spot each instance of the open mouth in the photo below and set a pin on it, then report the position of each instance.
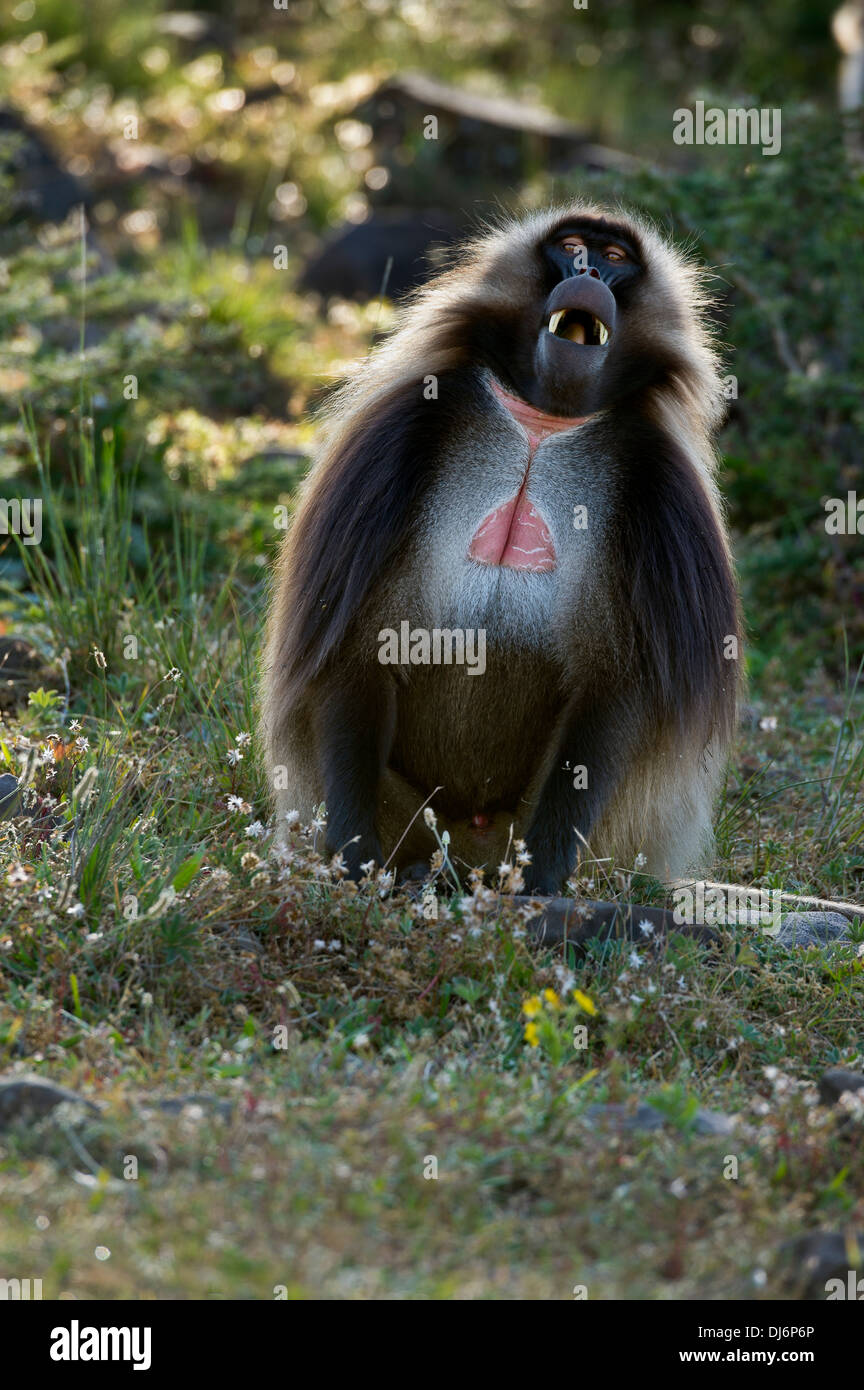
(579, 326)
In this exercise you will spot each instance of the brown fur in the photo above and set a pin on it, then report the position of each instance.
(618, 661)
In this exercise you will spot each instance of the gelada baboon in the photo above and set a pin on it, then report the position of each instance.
(508, 590)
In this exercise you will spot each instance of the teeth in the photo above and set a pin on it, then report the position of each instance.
(575, 331)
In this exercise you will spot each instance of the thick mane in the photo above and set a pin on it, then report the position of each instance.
(494, 274)
(354, 516)
(378, 449)
(677, 586)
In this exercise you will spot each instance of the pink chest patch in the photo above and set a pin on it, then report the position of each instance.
(516, 534)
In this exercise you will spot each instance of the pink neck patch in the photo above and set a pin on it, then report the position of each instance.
(515, 534)
(536, 423)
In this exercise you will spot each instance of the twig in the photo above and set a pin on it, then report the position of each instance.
(855, 908)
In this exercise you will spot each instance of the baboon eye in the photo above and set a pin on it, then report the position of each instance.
(571, 244)
(615, 253)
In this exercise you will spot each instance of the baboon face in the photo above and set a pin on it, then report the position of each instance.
(576, 340)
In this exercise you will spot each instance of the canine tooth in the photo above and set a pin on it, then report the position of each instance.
(556, 319)
(604, 333)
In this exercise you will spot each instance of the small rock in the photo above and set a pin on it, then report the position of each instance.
(391, 252)
(713, 1122)
(175, 1105)
(646, 1118)
(819, 1256)
(812, 928)
(10, 795)
(42, 190)
(836, 1082)
(27, 1098)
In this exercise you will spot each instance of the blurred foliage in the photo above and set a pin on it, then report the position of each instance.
(588, 64)
(243, 141)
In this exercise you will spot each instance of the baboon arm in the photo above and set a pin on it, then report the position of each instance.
(603, 740)
(353, 724)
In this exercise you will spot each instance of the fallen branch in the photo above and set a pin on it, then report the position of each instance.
(854, 910)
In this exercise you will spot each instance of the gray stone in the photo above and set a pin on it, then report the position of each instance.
(175, 1105)
(817, 1256)
(10, 795)
(713, 1122)
(24, 1099)
(42, 190)
(613, 1116)
(812, 928)
(646, 1118)
(836, 1082)
(353, 262)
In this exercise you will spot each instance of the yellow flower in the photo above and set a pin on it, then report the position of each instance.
(584, 1002)
(532, 1035)
(532, 1006)
(552, 999)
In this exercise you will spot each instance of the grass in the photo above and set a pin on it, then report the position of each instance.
(334, 1040)
(150, 947)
